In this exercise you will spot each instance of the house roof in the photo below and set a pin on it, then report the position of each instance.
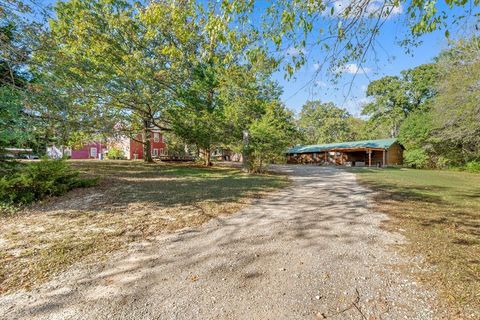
(379, 144)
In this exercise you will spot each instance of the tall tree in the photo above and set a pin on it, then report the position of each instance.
(120, 56)
(391, 104)
(228, 52)
(324, 123)
(269, 136)
(456, 108)
(415, 134)
(420, 85)
(199, 118)
(13, 84)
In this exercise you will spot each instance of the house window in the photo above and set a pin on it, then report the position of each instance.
(162, 152)
(155, 152)
(93, 152)
(156, 137)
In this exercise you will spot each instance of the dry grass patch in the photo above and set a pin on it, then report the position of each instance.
(439, 213)
(133, 202)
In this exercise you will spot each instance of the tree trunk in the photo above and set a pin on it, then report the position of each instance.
(208, 162)
(147, 148)
(245, 163)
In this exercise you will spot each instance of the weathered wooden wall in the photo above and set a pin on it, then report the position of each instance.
(377, 158)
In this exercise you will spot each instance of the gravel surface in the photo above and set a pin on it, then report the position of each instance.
(312, 251)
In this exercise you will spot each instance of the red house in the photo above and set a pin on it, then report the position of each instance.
(91, 150)
(134, 149)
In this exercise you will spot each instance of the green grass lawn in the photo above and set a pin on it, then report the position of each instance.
(439, 213)
(132, 202)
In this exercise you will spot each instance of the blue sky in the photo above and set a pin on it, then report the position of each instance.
(392, 64)
(391, 60)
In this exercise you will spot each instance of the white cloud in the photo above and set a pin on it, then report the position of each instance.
(316, 66)
(354, 105)
(352, 68)
(365, 100)
(373, 8)
(294, 52)
(321, 84)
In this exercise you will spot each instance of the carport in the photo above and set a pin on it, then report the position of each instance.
(369, 153)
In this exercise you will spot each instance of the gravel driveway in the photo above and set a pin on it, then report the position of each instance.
(312, 251)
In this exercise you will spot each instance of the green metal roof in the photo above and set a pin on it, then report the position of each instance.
(382, 144)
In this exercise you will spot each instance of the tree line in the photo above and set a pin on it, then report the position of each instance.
(432, 109)
(202, 72)
(107, 68)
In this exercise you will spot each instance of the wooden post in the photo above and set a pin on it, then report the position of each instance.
(369, 158)
(384, 158)
(325, 153)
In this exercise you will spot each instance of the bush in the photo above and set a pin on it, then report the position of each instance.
(115, 154)
(39, 180)
(416, 158)
(473, 166)
(9, 167)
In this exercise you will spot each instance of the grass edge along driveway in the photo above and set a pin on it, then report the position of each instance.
(439, 213)
(133, 202)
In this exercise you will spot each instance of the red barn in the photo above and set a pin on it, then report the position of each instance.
(91, 150)
(134, 149)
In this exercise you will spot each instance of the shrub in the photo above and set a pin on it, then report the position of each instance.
(9, 167)
(39, 180)
(416, 158)
(115, 153)
(473, 166)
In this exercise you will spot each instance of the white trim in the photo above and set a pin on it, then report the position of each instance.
(156, 137)
(92, 153)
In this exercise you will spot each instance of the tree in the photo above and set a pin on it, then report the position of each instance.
(391, 104)
(420, 85)
(13, 84)
(269, 136)
(246, 96)
(414, 135)
(226, 68)
(12, 118)
(324, 123)
(400, 108)
(456, 108)
(199, 119)
(119, 56)
(343, 32)
(159, 64)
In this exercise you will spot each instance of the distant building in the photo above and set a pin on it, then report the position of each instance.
(382, 152)
(91, 150)
(133, 148)
(55, 152)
